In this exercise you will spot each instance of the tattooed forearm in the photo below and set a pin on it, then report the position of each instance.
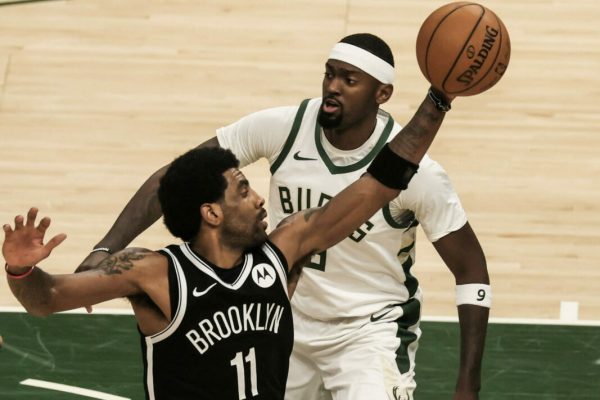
(414, 139)
(122, 262)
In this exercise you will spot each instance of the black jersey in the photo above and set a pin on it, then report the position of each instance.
(227, 340)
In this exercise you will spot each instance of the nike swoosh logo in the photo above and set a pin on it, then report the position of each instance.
(378, 317)
(298, 157)
(196, 293)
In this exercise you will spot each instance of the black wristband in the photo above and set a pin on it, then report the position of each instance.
(392, 170)
(438, 102)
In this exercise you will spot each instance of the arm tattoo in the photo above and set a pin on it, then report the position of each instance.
(416, 136)
(286, 220)
(121, 262)
(312, 211)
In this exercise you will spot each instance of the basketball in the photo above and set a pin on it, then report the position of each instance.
(463, 48)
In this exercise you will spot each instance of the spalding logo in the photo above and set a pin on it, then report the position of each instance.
(264, 275)
(480, 56)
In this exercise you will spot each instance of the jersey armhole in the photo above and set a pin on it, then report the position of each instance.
(173, 284)
(281, 258)
(291, 137)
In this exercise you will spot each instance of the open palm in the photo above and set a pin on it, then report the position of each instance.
(24, 245)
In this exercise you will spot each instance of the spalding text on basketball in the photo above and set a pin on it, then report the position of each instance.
(479, 58)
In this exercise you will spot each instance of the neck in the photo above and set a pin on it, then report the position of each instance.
(215, 250)
(352, 137)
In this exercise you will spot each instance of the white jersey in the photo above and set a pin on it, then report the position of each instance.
(370, 269)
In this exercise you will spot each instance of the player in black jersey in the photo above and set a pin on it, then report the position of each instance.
(213, 313)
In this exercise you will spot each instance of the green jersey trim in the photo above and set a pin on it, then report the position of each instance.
(411, 283)
(387, 214)
(291, 137)
(334, 169)
(411, 316)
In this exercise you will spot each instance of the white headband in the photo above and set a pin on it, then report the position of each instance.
(360, 58)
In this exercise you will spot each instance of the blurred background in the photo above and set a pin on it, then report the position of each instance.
(96, 95)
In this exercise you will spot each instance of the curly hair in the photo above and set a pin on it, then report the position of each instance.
(191, 180)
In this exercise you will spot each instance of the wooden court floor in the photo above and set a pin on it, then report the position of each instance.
(97, 94)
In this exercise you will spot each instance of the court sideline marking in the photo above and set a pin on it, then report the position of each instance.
(522, 321)
(71, 389)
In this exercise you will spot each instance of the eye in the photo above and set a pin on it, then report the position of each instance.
(245, 190)
(351, 81)
(328, 75)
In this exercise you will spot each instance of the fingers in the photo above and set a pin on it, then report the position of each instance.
(31, 216)
(55, 241)
(44, 224)
(30, 222)
(18, 222)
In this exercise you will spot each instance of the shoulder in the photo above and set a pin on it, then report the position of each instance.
(137, 253)
(287, 114)
(429, 189)
(280, 114)
(430, 176)
(285, 228)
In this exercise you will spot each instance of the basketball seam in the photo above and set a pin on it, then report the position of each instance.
(497, 53)
(451, 69)
(433, 35)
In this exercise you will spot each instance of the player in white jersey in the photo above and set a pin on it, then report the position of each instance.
(357, 306)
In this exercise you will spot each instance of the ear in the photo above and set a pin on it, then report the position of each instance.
(384, 93)
(212, 213)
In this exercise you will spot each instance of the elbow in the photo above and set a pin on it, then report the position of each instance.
(38, 294)
(42, 305)
(37, 311)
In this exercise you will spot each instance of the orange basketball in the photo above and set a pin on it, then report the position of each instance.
(463, 48)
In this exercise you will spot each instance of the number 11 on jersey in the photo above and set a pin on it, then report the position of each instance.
(238, 363)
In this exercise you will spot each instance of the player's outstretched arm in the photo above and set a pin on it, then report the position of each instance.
(42, 294)
(142, 210)
(317, 229)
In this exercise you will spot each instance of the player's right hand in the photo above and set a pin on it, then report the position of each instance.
(24, 245)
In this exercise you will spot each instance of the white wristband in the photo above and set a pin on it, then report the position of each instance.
(103, 249)
(477, 294)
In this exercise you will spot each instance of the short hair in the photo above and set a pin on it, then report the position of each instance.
(371, 43)
(193, 179)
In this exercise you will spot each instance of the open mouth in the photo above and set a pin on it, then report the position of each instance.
(330, 105)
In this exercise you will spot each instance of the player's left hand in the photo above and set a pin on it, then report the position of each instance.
(24, 245)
